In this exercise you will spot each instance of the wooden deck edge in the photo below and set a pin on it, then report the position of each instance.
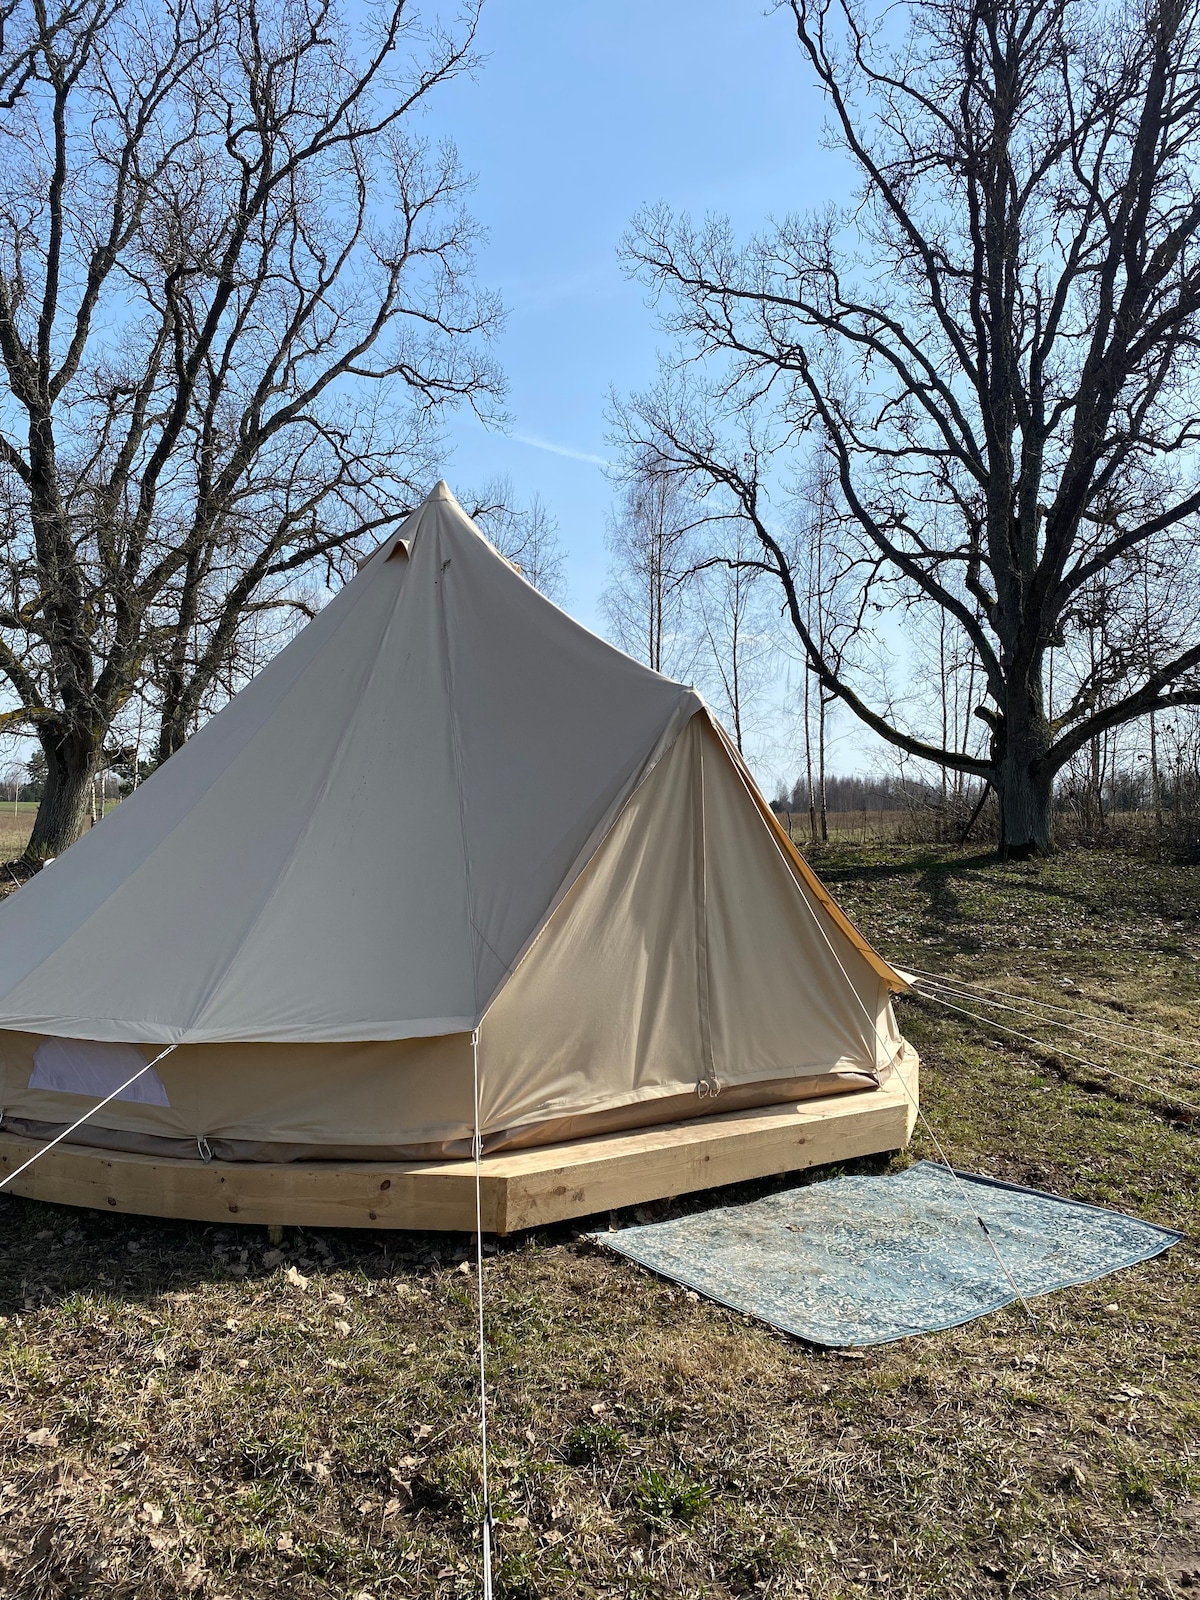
(523, 1189)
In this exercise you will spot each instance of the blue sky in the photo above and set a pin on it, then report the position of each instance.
(582, 112)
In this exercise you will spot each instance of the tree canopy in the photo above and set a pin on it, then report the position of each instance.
(235, 299)
(993, 342)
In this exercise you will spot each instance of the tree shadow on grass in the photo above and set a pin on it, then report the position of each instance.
(946, 916)
(935, 859)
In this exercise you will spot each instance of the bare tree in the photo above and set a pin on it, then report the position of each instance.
(651, 569)
(825, 580)
(735, 636)
(526, 534)
(13, 780)
(996, 339)
(234, 300)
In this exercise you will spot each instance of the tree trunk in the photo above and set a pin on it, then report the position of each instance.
(821, 802)
(808, 762)
(173, 728)
(1155, 779)
(70, 768)
(1025, 789)
(944, 695)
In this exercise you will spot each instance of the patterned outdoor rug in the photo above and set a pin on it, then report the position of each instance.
(856, 1261)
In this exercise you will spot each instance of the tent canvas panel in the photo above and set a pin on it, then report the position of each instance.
(604, 1008)
(541, 777)
(413, 1095)
(147, 946)
(688, 952)
(789, 992)
(364, 842)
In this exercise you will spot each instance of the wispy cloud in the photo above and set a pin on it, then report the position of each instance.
(560, 449)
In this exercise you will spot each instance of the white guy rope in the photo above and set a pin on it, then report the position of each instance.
(1154, 1091)
(67, 1132)
(1069, 1011)
(477, 1146)
(952, 987)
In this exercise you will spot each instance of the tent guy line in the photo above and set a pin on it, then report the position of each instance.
(66, 1133)
(1142, 1029)
(447, 842)
(485, 1526)
(455, 866)
(1161, 1092)
(958, 992)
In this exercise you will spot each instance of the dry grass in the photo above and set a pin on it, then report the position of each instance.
(16, 823)
(193, 1412)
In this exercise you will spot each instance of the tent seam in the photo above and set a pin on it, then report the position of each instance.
(456, 756)
(206, 1003)
(650, 762)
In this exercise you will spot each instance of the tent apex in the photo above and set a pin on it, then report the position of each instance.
(441, 491)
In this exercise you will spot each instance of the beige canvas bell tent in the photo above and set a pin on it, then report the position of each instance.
(446, 836)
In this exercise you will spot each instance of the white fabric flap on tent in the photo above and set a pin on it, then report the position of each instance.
(83, 1066)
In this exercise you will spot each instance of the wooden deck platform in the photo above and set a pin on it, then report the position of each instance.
(519, 1190)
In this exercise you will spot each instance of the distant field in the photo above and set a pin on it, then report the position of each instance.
(848, 826)
(16, 824)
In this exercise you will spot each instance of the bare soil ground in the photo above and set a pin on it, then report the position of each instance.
(192, 1411)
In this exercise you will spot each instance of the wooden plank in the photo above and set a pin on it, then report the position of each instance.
(325, 1194)
(519, 1190)
(625, 1169)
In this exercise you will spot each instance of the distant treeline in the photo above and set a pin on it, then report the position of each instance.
(1132, 790)
(1155, 801)
(862, 794)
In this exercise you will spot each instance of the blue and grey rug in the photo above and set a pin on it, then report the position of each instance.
(856, 1261)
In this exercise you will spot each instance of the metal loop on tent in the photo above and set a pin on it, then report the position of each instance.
(204, 1148)
(708, 1089)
